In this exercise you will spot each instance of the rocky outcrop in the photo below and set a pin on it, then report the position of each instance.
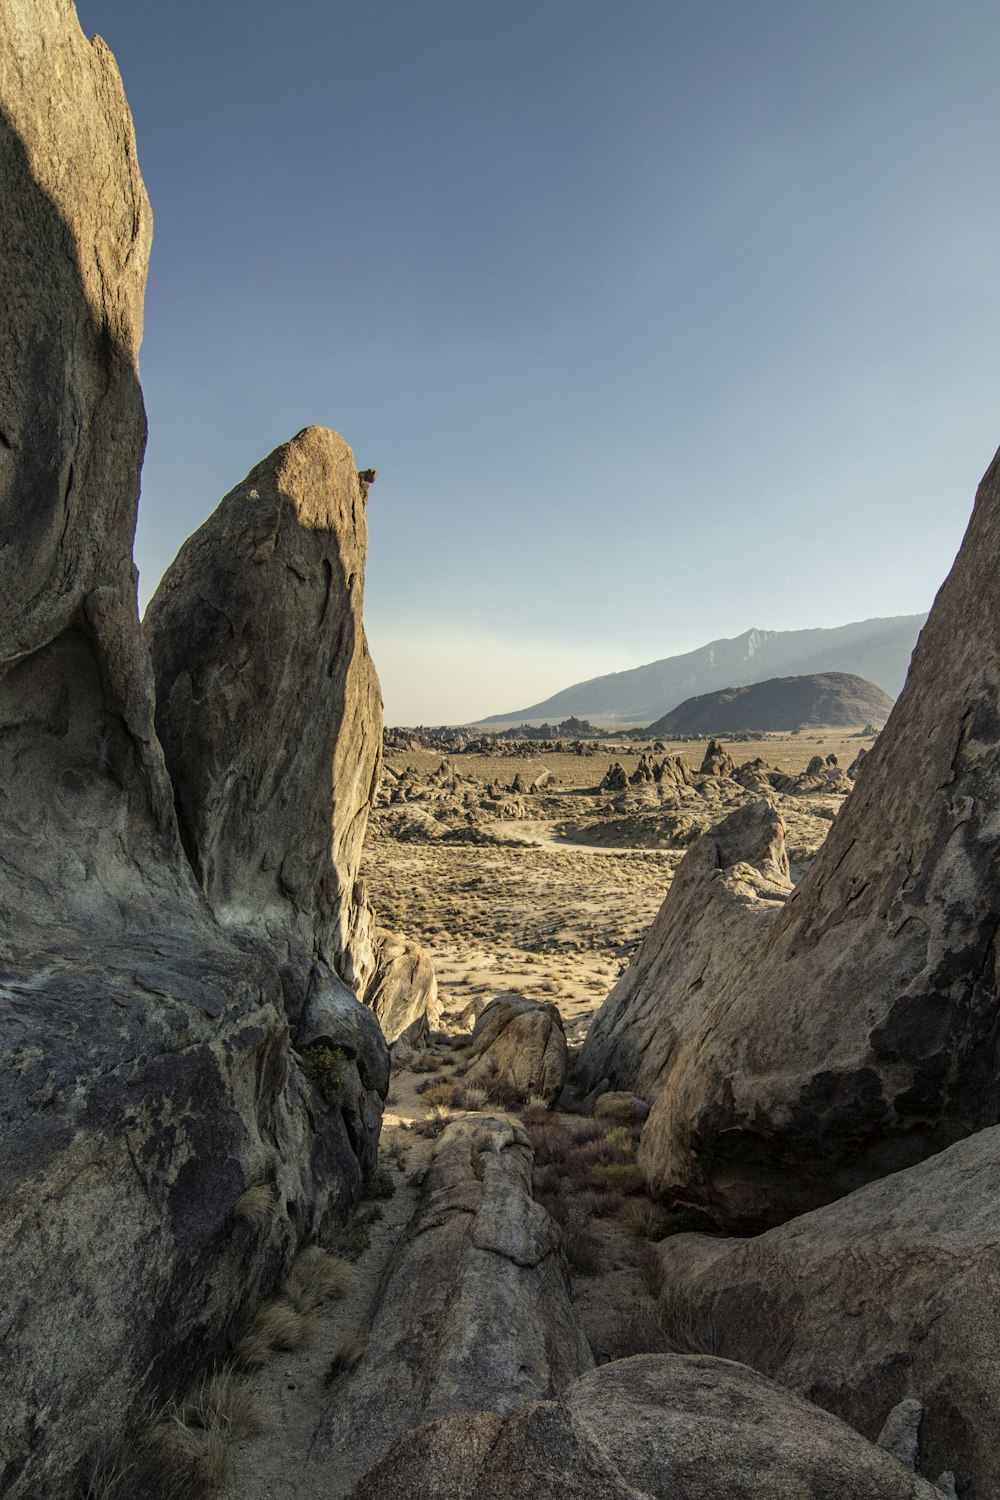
(269, 711)
(862, 1032)
(833, 699)
(404, 992)
(717, 761)
(729, 885)
(518, 1049)
(148, 1076)
(656, 1427)
(891, 1293)
(475, 1313)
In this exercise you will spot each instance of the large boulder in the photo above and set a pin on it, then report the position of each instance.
(891, 1293)
(731, 883)
(861, 1033)
(148, 1075)
(269, 711)
(655, 1427)
(518, 1049)
(404, 991)
(475, 1313)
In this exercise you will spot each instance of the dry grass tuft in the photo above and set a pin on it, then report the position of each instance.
(580, 1244)
(445, 1094)
(598, 1202)
(672, 1324)
(473, 1098)
(536, 1111)
(643, 1220)
(626, 1177)
(315, 1278)
(651, 1272)
(426, 1062)
(346, 1355)
(226, 1402)
(278, 1325)
(257, 1205)
(201, 1451)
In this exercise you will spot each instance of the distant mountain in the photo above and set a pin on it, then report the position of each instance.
(835, 700)
(878, 650)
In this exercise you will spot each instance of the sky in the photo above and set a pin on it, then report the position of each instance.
(659, 320)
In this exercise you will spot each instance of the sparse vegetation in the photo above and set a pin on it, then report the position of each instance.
(379, 1185)
(353, 1239)
(473, 1097)
(256, 1205)
(625, 1176)
(444, 1094)
(324, 1066)
(316, 1277)
(346, 1355)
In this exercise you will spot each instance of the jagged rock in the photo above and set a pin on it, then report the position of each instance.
(148, 1075)
(518, 786)
(855, 765)
(861, 1031)
(717, 761)
(889, 1294)
(518, 1047)
(475, 1313)
(643, 772)
(655, 1427)
(269, 711)
(615, 778)
(404, 992)
(730, 883)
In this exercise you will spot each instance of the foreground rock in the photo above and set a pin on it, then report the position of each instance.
(475, 1314)
(148, 1076)
(860, 1033)
(729, 885)
(269, 710)
(656, 1427)
(518, 1049)
(890, 1293)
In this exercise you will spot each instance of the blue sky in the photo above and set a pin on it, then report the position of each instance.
(658, 320)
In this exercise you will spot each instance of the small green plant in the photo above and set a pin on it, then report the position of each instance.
(354, 1237)
(323, 1065)
(379, 1185)
(625, 1176)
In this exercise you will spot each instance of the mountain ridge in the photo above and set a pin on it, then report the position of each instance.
(832, 700)
(877, 649)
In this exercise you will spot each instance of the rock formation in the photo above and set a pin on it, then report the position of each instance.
(518, 1050)
(268, 707)
(475, 1314)
(861, 1032)
(148, 1076)
(404, 992)
(655, 1427)
(732, 882)
(890, 1294)
(717, 761)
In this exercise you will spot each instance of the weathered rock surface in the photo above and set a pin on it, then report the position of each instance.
(655, 1427)
(732, 882)
(404, 992)
(269, 710)
(519, 1047)
(475, 1312)
(861, 1033)
(148, 1075)
(892, 1292)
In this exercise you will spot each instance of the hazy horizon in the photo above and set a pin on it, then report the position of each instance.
(658, 323)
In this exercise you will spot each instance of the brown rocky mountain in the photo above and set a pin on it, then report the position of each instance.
(828, 699)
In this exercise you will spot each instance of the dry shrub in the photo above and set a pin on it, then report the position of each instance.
(440, 1093)
(555, 1204)
(200, 1451)
(536, 1111)
(651, 1272)
(580, 1244)
(618, 1109)
(672, 1324)
(551, 1142)
(426, 1062)
(625, 1176)
(473, 1098)
(226, 1402)
(256, 1206)
(620, 1138)
(598, 1203)
(643, 1220)
(316, 1277)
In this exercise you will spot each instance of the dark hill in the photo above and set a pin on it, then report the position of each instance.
(836, 700)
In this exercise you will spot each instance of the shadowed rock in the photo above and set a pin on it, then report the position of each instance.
(518, 1047)
(656, 1427)
(404, 992)
(148, 1077)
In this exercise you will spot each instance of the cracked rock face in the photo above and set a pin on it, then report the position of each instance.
(861, 1032)
(475, 1313)
(655, 1427)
